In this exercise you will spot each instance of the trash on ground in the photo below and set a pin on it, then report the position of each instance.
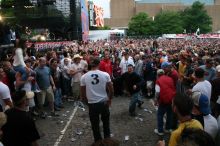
(141, 119)
(126, 138)
(78, 132)
(73, 139)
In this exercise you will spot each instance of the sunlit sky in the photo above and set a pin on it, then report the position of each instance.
(105, 4)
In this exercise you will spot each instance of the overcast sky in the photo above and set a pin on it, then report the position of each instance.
(105, 4)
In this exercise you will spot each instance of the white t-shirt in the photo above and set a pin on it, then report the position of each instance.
(95, 82)
(210, 125)
(204, 87)
(77, 76)
(62, 61)
(18, 58)
(4, 94)
(84, 64)
(124, 64)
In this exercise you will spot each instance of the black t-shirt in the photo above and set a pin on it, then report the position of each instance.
(20, 129)
(131, 79)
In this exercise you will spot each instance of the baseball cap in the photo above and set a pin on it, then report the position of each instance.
(160, 71)
(218, 68)
(165, 64)
(202, 101)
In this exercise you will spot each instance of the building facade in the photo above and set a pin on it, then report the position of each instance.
(122, 11)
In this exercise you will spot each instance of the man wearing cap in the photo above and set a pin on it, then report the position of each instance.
(215, 98)
(20, 128)
(170, 71)
(210, 71)
(93, 89)
(125, 61)
(165, 91)
(133, 83)
(202, 112)
(76, 71)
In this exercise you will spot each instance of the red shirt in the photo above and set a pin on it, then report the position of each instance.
(106, 66)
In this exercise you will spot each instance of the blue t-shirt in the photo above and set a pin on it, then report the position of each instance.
(210, 73)
(43, 77)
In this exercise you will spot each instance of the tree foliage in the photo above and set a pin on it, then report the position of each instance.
(140, 24)
(168, 22)
(196, 17)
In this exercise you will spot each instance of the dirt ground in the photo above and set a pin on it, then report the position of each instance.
(72, 127)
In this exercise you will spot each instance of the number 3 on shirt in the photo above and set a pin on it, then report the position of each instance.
(95, 79)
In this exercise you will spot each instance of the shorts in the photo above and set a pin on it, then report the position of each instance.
(41, 96)
(149, 84)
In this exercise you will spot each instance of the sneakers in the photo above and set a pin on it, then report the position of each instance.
(43, 115)
(133, 114)
(53, 114)
(168, 130)
(158, 133)
(56, 108)
(140, 104)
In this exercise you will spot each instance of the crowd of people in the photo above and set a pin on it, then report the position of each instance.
(181, 75)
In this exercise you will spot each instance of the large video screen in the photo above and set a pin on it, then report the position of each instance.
(98, 10)
(84, 20)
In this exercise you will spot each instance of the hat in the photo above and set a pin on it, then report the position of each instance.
(20, 95)
(77, 56)
(165, 64)
(218, 68)
(160, 71)
(202, 101)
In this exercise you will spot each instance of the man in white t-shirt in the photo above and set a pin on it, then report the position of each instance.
(202, 85)
(76, 71)
(202, 112)
(125, 61)
(5, 97)
(93, 88)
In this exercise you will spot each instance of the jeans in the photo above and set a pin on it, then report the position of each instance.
(22, 71)
(136, 98)
(66, 87)
(57, 97)
(95, 110)
(162, 109)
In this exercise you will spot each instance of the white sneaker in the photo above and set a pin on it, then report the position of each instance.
(168, 130)
(158, 133)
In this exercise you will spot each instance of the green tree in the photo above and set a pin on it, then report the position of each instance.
(140, 24)
(196, 17)
(167, 22)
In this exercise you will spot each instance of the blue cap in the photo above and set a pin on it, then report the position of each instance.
(165, 64)
(202, 101)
